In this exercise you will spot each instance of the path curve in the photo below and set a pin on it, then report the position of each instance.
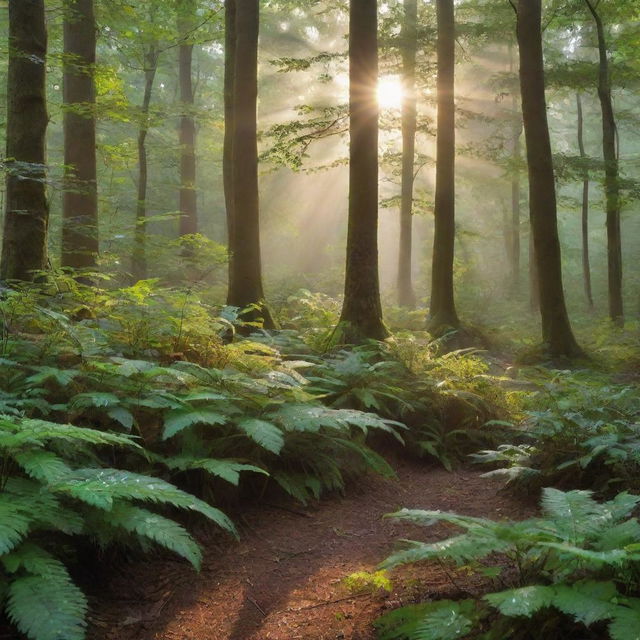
(283, 579)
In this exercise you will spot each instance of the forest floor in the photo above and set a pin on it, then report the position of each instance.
(284, 579)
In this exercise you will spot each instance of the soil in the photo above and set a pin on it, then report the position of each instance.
(284, 579)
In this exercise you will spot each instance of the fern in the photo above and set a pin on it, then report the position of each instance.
(581, 558)
(179, 419)
(42, 601)
(159, 529)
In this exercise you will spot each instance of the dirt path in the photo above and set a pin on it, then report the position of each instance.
(282, 581)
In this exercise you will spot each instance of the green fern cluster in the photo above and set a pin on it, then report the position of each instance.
(51, 488)
(583, 430)
(580, 559)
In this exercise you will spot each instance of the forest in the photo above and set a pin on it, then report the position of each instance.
(320, 320)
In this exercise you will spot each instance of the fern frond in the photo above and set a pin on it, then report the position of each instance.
(47, 606)
(14, 523)
(100, 487)
(626, 621)
(177, 420)
(165, 532)
(16, 432)
(524, 601)
(42, 465)
(228, 470)
(587, 602)
(266, 434)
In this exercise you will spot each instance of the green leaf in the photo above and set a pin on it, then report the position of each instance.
(94, 399)
(100, 487)
(266, 434)
(163, 531)
(14, 522)
(45, 607)
(587, 602)
(42, 465)
(177, 420)
(522, 602)
(228, 470)
(449, 621)
(121, 415)
(626, 621)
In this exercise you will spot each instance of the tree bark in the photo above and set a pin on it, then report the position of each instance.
(80, 200)
(229, 89)
(556, 329)
(24, 245)
(409, 43)
(586, 266)
(361, 316)
(245, 269)
(514, 234)
(442, 313)
(139, 262)
(188, 194)
(611, 183)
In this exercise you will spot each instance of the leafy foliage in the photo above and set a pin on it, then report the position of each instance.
(580, 558)
(583, 430)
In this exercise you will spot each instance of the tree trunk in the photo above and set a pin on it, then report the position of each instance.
(229, 89)
(245, 269)
(611, 184)
(80, 200)
(556, 329)
(586, 267)
(534, 281)
(24, 245)
(139, 262)
(361, 316)
(188, 193)
(409, 40)
(442, 313)
(514, 235)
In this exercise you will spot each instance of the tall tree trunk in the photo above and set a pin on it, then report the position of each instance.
(24, 244)
(80, 200)
(409, 40)
(612, 185)
(534, 281)
(514, 235)
(245, 269)
(188, 193)
(362, 311)
(229, 89)
(556, 329)
(443, 311)
(139, 261)
(586, 267)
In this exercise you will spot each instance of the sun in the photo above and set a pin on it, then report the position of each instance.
(390, 92)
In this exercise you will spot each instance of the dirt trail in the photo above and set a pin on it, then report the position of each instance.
(282, 581)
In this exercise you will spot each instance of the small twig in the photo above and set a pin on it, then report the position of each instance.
(324, 604)
(257, 606)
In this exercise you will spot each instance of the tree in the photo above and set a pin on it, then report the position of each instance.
(24, 244)
(442, 311)
(188, 194)
(361, 316)
(586, 266)
(409, 45)
(556, 329)
(80, 200)
(611, 168)
(245, 268)
(151, 56)
(514, 227)
(229, 90)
